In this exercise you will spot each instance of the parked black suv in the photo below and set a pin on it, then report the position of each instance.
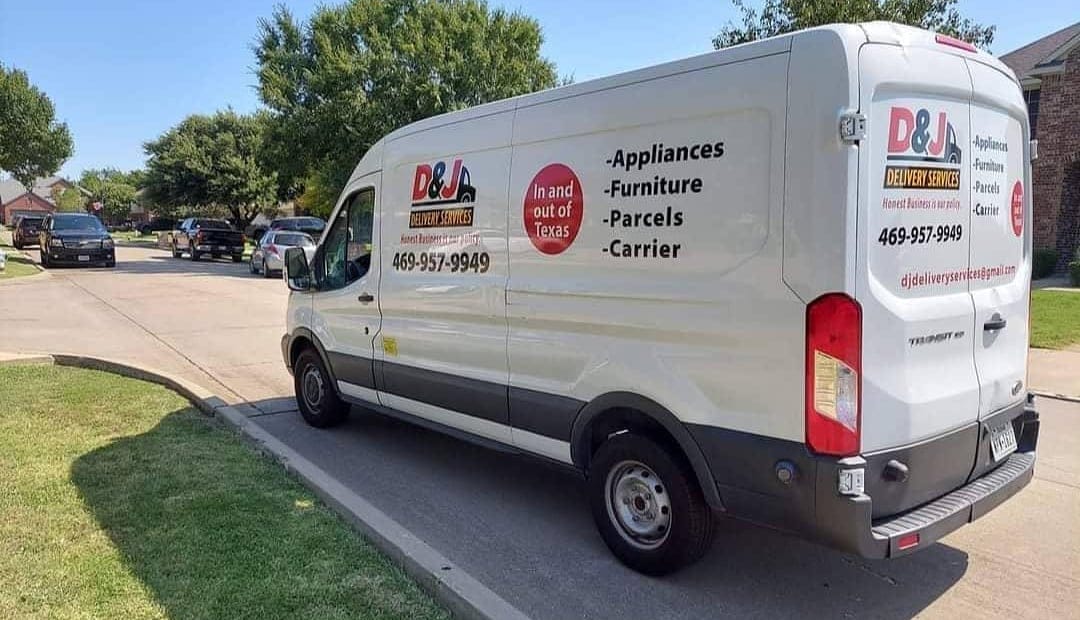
(25, 231)
(77, 239)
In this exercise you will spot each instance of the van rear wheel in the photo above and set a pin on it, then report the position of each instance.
(315, 395)
(648, 506)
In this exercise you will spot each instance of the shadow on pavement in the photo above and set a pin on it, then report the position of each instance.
(166, 264)
(523, 528)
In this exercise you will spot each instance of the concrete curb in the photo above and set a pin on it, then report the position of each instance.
(462, 594)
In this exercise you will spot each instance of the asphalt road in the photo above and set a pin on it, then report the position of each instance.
(520, 526)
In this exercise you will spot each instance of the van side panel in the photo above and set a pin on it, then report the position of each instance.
(645, 234)
(820, 198)
(441, 354)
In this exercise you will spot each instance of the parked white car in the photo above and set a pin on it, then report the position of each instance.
(787, 281)
(269, 253)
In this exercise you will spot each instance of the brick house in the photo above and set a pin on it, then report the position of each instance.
(1049, 73)
(16, 200)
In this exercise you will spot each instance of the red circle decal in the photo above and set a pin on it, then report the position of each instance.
(554, 205)
(1017, 210)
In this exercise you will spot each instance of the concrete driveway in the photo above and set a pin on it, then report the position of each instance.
(522, 527)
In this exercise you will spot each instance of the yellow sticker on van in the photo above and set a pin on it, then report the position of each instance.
(389, 346)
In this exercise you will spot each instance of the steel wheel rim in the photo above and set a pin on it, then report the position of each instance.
(638, 504)
(312, 388)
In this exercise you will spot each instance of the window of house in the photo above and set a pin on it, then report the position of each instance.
(1031, 97)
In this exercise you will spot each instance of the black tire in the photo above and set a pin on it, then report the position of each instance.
(110, 263)
(194, 253)
(669, 544)
(176, 253)
(17, 245)
(251, 266)
(265, 270)
(236, 258)
(315, 393)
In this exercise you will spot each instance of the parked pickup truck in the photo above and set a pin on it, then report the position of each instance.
(199, 235)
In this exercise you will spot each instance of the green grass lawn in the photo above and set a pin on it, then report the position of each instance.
(133, 236)
(17, 266)
(120, 500)
(1055, 319)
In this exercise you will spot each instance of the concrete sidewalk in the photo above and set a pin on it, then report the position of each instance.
(1055, 372)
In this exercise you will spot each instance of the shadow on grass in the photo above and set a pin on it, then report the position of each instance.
(216, 531)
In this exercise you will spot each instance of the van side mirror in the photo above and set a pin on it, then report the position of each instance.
(297, 271)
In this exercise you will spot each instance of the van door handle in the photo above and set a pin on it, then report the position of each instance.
(996, 323)
(365, 298)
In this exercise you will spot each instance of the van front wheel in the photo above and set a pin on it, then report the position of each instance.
(648, 506)
(315, 395)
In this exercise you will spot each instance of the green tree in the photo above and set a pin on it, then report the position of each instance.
(357, 71)
(32, 143)
(212, 164)
(781, 16)
(68, 199)
(115, 190)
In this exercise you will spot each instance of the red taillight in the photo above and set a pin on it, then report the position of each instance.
(944, 39)
(907, 541)
(199, 237)
(833, 375)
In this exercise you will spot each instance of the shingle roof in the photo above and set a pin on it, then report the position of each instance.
(10, 189)
(1023, 60)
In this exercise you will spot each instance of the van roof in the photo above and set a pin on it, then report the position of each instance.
(851, 34)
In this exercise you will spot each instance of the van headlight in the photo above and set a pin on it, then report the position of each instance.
(107, 243)
(56, 242)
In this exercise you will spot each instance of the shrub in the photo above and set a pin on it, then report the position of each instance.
(1043, 263)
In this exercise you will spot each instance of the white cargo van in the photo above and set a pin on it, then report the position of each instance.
(786, 281)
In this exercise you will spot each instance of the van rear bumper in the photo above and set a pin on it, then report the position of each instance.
(809, 503)
(845, 522)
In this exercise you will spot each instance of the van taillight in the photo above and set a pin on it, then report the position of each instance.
(833, 375)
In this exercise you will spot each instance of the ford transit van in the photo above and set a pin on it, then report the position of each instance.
(786, 282)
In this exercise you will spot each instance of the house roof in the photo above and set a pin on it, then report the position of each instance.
(10, 189)
(1042, 53)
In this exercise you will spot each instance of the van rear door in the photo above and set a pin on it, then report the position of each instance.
(1000, 237)
(919, 375)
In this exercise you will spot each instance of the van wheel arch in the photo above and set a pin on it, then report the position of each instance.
(626, 411)
(303, 339)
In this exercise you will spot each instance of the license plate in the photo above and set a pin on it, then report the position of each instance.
(223, 247)
(1002, 441)
(84, 258)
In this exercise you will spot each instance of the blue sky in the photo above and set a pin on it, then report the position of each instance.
(122, 71)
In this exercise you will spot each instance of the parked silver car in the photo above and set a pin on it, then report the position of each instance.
(269, 255)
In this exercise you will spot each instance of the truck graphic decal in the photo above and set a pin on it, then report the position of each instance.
(432, 188)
